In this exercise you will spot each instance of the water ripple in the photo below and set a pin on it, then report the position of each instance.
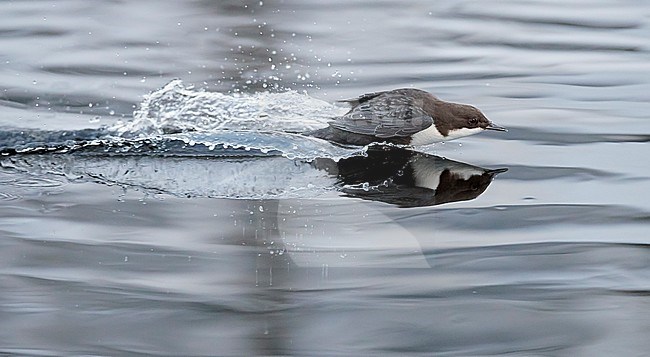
(97, 70)
(528, 216)
(564, 138)
(571, 15)
(36, 181)
(7, 196)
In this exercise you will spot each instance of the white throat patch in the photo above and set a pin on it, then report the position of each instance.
(431, 135)
(427, 172)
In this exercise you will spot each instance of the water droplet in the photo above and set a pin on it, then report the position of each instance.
(95, 119)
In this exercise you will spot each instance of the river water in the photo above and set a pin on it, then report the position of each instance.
(157, 198)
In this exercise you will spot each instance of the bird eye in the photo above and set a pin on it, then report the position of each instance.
(473, 121)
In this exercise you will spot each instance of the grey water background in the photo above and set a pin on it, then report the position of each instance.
(551, 260)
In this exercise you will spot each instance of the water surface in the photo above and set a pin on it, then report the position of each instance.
(163, 233)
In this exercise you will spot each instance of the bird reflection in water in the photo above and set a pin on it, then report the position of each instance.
(407, 178)
(390, 174)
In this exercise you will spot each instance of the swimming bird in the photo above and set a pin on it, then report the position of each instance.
(404, 116)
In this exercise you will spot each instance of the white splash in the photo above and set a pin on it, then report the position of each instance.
(265, 122)
(177, 107)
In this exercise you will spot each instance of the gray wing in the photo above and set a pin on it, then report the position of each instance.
(385, 115)
(361, 99)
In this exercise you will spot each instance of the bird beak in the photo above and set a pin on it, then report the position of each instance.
(493, 126)
(495, 172)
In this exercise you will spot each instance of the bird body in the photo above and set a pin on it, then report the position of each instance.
(404, 116)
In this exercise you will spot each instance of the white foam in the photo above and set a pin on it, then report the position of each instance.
(177, 107)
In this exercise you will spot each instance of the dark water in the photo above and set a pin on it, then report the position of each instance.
(166, 235)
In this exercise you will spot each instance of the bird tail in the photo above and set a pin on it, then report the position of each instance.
(323, 133)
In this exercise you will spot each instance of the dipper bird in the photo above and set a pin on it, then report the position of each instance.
(404, 116)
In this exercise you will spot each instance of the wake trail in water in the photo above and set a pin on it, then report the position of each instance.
(178, 120)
